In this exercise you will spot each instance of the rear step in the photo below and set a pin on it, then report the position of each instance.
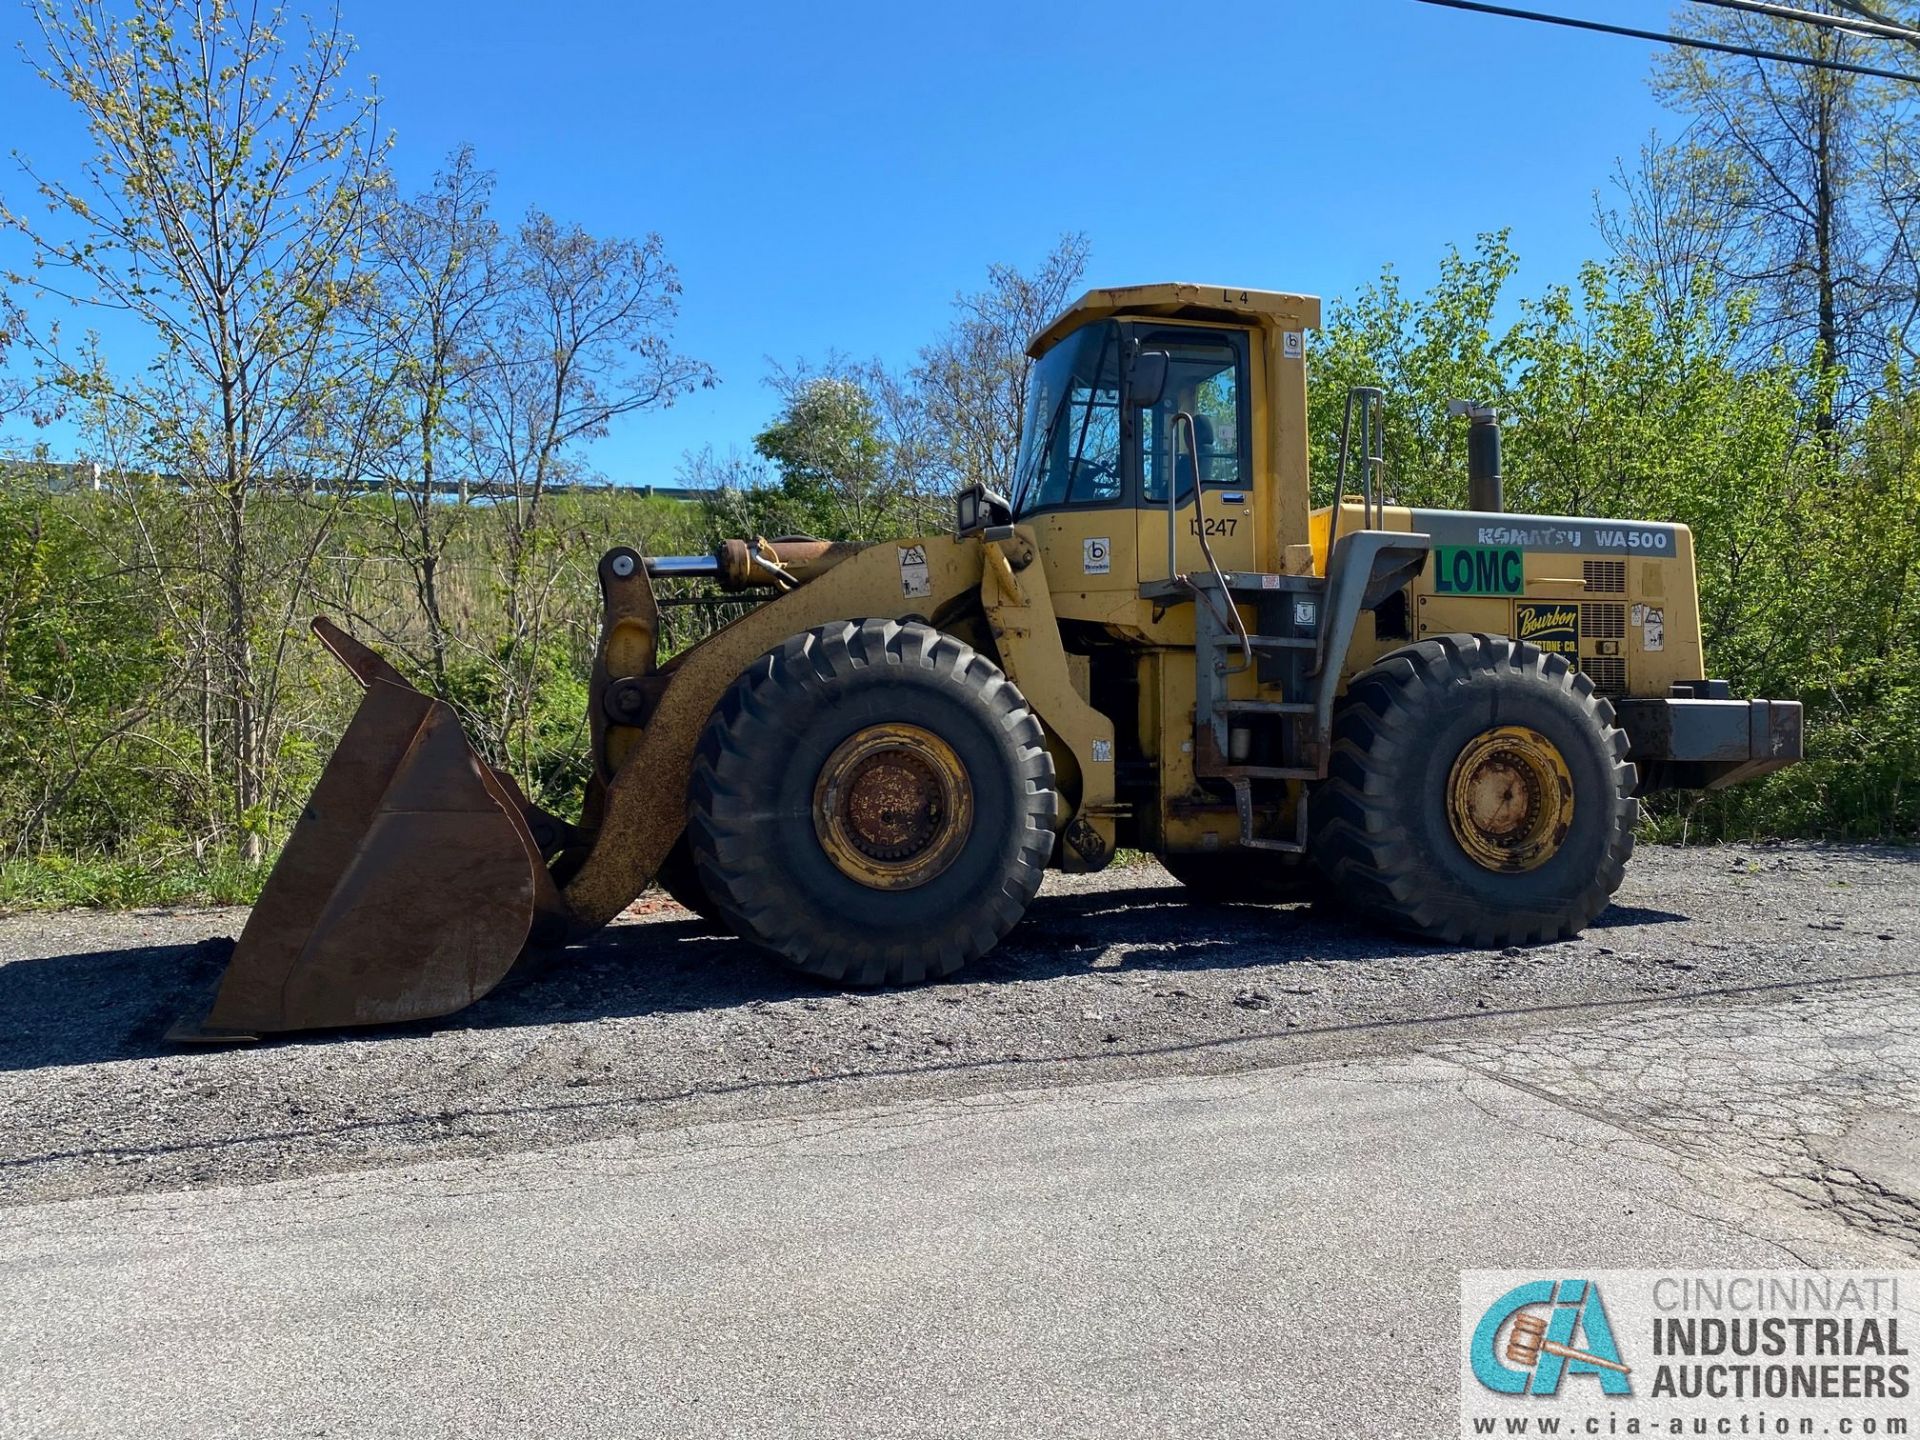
(1268, 642)
(1264, 707)
(1243, 802)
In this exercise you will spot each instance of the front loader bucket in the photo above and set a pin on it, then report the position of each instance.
(406, 890)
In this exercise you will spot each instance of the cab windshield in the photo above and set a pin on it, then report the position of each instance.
(1070, 444)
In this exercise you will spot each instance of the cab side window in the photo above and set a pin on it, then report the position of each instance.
(1207, 379)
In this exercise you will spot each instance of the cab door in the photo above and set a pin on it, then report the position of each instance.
(1072, 486)
(1209, 380)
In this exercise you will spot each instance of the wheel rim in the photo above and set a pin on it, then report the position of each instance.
(1510, 799)
(892, 806)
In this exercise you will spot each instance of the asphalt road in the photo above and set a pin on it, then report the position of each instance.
(1270, 1253)
(1150, 1170)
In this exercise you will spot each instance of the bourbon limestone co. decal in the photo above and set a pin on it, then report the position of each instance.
(1716, 1352)
(1554, 628)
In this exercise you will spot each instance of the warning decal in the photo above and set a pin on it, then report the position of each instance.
(914, 580)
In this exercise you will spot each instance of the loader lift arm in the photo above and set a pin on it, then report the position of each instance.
(645, 800)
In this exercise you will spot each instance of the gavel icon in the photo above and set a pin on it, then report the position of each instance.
(1527, 1342)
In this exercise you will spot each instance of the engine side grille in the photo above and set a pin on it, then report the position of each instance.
(1606, 577)
(1608, 673)
(1603, 622)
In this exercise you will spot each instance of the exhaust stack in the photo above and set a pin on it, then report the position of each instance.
(1484, 485)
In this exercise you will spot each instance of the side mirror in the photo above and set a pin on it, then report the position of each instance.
(977, 508)
(1147, 380)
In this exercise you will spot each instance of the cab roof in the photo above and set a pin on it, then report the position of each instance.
(1271, 309)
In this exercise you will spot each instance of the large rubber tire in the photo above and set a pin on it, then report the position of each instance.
(680, 878)
(750, 811)
(1380, 826)
(1241, 877)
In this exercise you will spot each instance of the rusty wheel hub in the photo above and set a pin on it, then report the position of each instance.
(892, 806)
(1510, 799)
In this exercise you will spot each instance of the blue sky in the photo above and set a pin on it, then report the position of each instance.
(827, 176)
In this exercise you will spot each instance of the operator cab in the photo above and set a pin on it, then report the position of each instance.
(1088, 441)
(1162, 421)
(1121, 412)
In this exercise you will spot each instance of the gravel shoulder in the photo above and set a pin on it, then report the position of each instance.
(658, 1025)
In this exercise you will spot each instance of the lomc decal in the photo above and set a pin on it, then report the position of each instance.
(1478, 570)
(1555, 629)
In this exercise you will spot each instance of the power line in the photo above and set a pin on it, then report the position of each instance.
(1856, 22)
(1867, 13)
(1686, 41)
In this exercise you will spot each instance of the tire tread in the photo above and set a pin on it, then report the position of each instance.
(722, 826)
(1360, 843)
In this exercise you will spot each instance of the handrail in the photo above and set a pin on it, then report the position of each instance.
(1373, 463)
(1237, 626)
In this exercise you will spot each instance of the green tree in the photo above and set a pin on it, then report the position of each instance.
(581, 336)
(1423, 351)
(825, 445)
(83, 667)
(1796, 186)
(972, 380)
(225, 207)
(438, 274)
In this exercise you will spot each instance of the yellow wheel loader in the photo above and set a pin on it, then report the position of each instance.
(1439, 719)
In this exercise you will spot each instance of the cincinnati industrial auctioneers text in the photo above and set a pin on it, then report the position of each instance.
(1752, 1337)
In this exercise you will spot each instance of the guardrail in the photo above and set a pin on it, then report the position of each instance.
(69, 476)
